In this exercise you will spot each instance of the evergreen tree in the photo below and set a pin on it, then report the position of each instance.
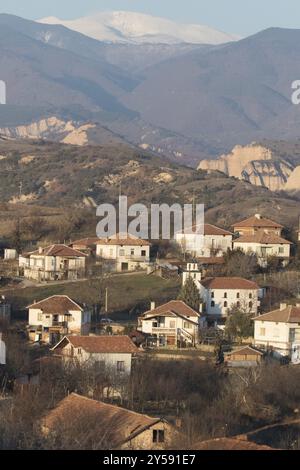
(189, 294)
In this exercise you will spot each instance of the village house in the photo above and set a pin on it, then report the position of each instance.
(55, 262)
(2, 351)
(279, 332)
(173, 324)
(213, 242)
(128, 254)
(51, 319)
(110, 427)
(113, 352)
(245, 356)
(5, 310)
(257, 223)
(265, 246)
(220, 294)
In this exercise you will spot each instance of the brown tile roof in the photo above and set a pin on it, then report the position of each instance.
(114, 424)
(290, 314)
(229, 443)
(101, 344)
(129, 240)
(85, 242)
(247, 350)
(59, 250)
(177, 307)
(61, 304)
(257, 222)
(228, 283)
(263, 238)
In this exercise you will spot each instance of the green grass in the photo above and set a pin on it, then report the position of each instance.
(127, 295)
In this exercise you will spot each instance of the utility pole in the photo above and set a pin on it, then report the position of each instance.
(106, 300)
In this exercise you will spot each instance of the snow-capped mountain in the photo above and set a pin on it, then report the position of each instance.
(138, 28)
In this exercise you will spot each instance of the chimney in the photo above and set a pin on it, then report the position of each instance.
(201, 308)
(298, 305)
(283, 306)
(258, 216)
(40, 250)
(152, 306)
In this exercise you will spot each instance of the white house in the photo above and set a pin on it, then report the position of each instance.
(279, 331)
(55, 262)
(113, 352)
(257, 223)
(213, 242)
(172, 324)
(192, 271)
(264, 245)
(2, 351)
(219, 294)
(129, 253)
(52, 318)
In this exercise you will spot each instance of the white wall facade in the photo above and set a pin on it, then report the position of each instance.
(276, 336)
(75, 323)
(2, 351)
(264, 250)
(204, 245)
(219, 301)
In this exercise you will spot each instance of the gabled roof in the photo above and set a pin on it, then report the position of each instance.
(290, 314)
(113, 424)
(60, 304)
(58, 250)
(228, 283)
(126, 240)
(258, 221)
(100, 344)
(247, 350)
(174, 307)
(263, 238)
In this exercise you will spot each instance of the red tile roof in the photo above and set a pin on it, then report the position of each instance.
(263, 238)
(100, 344)
(59, 250)
(56, 304)
(228, 283)
(85, 242)
(109, 423)
(290, 314)
(177, 307)
(257, 222)
(209, 229)
(130, 240)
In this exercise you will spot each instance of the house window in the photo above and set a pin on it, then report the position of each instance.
(40, 316)
(281, 250)
(172, 324)
(262, 332)
(212, 295)
(143, 253)
(250, 296)
(238, 295)
(225, 304)
(238, 304)
(212, 304)
(251, 305)
(132, 251)
(122, 252)
(111, 252)
(120, 366)
(186, 325)
(225, 295)
(158, 435)
(79, 351)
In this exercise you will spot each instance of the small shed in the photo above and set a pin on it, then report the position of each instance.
(246, 356)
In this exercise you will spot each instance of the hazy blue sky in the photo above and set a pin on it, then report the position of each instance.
(236, 16)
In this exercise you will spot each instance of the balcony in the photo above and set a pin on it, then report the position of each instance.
(164, 330)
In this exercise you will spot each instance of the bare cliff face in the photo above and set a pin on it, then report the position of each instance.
(257, 165)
